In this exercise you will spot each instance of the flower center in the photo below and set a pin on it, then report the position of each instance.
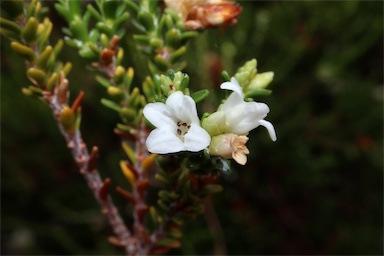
(182, 129)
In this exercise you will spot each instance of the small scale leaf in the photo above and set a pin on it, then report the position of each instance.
(110, 104)
(103, 81)
(257, 92)
(225, 76)
(200, 95)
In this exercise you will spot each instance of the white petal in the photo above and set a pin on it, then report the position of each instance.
(196, 139)
(183, 107)
(270, 128)
(233, 86)
(233, 100)
(159, 114)
(163, 141)
(245, 117)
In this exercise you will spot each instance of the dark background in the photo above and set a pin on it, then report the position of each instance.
(317, 190)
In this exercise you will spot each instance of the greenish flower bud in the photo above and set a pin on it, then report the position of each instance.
(249, 66)
(215, 123)
(166, 84)
(246, 73)
(261, 80)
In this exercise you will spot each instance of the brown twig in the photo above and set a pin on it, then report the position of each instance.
(86, 162)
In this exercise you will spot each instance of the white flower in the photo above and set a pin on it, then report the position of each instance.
(177, 126)
(242, 117)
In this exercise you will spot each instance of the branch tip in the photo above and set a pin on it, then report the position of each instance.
(103, 191)
(92, 159)
(124, 193)
(115, 241)
(77, 102)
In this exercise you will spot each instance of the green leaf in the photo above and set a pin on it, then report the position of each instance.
(200, 95)
(257, 92)
(110, 104)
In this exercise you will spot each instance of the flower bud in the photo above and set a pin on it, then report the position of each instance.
(246, 73)
(215, 123)
(230, 146)
(261, 80)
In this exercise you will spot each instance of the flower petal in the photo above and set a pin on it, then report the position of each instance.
(183, 107)
(270, 128)
(233, 86)
(196, 139)
(164, 141)
(233, 100)
(159, 114)
(250, 119)
(239, 157)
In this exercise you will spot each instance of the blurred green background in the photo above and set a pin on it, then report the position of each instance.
(317, 190)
